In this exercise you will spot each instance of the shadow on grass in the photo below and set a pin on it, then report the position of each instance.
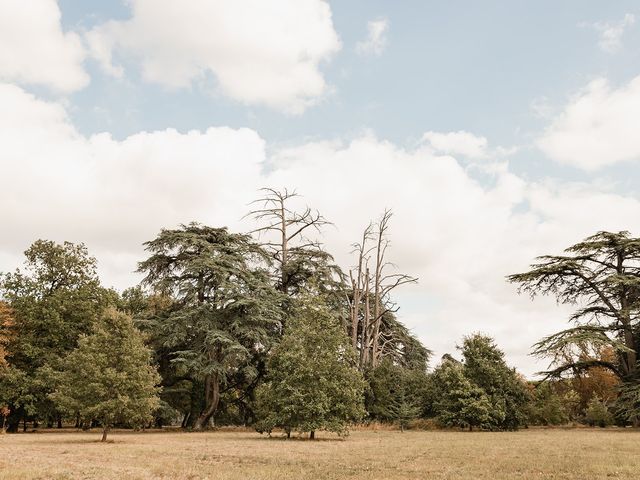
(283, 438)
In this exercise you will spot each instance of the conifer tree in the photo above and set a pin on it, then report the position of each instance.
(402, 408)
(225, 313)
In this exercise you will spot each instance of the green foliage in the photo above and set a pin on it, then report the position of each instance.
(402, 408)
(55, 299)
(627, 405)
(547, 406)
(482, 391)
(484, 366)
(597, 413)
(312, 381)
(224, 313)
(602, 274)
(108, 378)
(401, 346)
(388, 383)
(459, 403)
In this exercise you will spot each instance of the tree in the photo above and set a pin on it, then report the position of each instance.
(460, 403)
(484, 366)
(224, 315)
(108, 377)
(403, 408)
(6, 330)
(298, 259)
(394, 388)
(312, 382)
(597, 413)
(600, 275)
(374, 329)
(54, 300)
(627, 405)
(547, 406)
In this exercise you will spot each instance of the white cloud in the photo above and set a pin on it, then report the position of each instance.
(113, 194)
(598, 127)
(35, 50)
(611, 33)
(261, 53)
(459, 236)
(457, 143)
(376, 40)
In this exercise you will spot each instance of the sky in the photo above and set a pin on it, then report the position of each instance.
(495, 131)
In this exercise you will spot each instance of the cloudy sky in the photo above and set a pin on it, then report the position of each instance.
(495, 131)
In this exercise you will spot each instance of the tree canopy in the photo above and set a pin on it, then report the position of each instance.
(313, 382)
(224, 311)
(601, 277)
(109, 378)
(54, 300)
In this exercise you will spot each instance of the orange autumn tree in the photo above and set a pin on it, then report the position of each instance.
(6, 325)
(598, 382)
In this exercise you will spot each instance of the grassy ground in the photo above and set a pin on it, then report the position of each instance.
(535, 453)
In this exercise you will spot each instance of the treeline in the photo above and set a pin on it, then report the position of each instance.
(264, 329)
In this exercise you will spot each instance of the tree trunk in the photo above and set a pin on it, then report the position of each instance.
(59, 421)
(283, 264)
(212, 394)
(366, 324)
(105, 431)
(377, 316)
(185, 420)
(312, 435)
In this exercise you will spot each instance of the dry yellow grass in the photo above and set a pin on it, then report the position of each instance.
(536, 453)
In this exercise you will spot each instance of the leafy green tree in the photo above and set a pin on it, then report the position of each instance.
(602, 275)
(224, 313)
(460, 403)
(597, 413)
(54, 300)
(108, 377)
(484, 366)
(547, 405)
(313, 382)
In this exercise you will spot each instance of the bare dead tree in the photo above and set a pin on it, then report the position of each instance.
(370, 299)
(357, 278)
(285, 233)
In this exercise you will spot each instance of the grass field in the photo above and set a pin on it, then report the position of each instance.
(535, 453)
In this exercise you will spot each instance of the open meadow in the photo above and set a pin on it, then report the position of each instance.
(534, 453)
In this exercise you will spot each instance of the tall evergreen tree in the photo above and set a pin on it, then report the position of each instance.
(225, 313)
(602, 275)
